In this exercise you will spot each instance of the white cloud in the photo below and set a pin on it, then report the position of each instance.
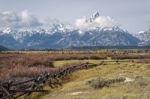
(18, 20)
(94, 21)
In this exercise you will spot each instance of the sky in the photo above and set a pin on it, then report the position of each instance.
(132, 15)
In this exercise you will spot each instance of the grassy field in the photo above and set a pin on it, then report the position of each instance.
(135, 86)
(96, 83)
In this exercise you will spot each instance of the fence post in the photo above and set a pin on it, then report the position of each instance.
(25, 97)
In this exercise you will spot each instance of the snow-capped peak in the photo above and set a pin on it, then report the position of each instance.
(96, 21)
(63, 28)
(95, 15)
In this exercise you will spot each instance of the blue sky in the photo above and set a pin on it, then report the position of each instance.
(133, 15)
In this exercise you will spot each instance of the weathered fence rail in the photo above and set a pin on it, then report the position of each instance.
(12, 89)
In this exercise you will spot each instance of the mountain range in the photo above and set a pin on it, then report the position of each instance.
(2, 48)
(88, 33)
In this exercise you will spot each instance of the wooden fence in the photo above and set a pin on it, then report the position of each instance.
(12, 89)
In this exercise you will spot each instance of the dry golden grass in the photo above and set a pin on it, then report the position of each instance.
(136, 86)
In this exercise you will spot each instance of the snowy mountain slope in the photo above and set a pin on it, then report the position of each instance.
(99, 38)
(103, 37)
(144, 36)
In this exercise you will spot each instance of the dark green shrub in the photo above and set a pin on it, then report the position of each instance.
(100, 82)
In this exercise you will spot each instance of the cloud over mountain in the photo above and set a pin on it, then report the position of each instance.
(18, 20)
(94, 21)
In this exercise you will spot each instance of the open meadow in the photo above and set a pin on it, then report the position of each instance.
(76, 74)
